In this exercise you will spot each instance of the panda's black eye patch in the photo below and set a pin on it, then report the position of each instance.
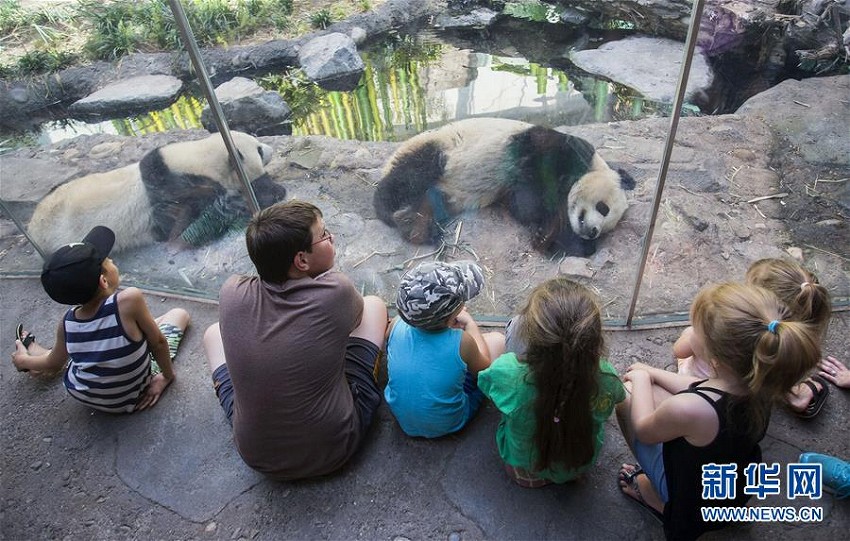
(602, 208)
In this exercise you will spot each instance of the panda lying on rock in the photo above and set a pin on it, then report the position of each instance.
(158, 198)
(553, 183)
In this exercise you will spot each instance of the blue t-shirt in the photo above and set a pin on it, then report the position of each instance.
(426, 375)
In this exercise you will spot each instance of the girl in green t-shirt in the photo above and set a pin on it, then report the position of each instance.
(554, 391)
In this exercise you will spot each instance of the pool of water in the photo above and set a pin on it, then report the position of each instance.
(413, 82)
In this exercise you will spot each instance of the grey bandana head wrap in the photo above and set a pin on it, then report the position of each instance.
(431, 292)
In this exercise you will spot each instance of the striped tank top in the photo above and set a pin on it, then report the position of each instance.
(108, 371)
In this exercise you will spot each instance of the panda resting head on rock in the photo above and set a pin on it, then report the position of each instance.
(156, 199)
(553, 183)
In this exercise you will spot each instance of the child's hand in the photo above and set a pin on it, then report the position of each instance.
(153, 391)
(462, 319)
(637, 375)
(639, 366)
(835, 371)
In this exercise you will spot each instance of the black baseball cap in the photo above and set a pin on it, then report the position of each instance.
(71, 274)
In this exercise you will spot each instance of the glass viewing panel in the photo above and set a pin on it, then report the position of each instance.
(728, 199)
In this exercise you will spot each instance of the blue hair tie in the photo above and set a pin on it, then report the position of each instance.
(772, 326)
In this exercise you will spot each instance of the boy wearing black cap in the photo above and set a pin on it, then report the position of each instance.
(435, 350)
(108, 335)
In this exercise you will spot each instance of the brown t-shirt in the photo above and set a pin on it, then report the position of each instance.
(293, 414)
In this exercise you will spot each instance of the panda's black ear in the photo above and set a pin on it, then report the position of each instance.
(602, 208)
(626, 180)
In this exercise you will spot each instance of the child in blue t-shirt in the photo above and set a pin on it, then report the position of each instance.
(435, 350)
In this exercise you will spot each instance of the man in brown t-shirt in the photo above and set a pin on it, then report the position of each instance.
(294, 352)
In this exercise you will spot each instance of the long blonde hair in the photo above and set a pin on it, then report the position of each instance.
(562, 328)
(748, 329)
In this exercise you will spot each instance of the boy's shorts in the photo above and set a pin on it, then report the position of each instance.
(173, 335)
(360, 358)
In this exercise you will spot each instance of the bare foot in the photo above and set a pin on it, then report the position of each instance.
(800, 395)
(636, 485)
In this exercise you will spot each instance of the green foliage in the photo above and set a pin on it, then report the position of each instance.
(618, 24)
(12, 16)
(39, 61)
(400, 51)
(532, 10)
(125, 26)
(321, 19)
(301, 94)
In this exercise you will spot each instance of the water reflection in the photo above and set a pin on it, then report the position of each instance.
(408, 87)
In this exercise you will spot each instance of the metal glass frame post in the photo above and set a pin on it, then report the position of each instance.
(690, 45)
(215, 107)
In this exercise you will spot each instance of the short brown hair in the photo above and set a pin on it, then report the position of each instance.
(276, 234)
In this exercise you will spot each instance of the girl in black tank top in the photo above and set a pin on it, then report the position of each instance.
(676, 424)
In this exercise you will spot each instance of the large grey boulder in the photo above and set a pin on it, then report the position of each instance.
(332, 61)
(477, 18)
(649, 65)
(130, 96)
(814, 119)
(249, 108)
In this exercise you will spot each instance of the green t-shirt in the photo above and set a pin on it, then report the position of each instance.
(508, 383)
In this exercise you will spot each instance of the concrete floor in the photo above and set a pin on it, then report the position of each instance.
(172, 472)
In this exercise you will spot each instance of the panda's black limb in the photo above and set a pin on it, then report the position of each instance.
(408, 180)
(569, 243)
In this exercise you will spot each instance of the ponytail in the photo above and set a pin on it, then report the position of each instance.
(807, 300)
(748, 329)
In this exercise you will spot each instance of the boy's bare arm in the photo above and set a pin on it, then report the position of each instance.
(475, 352)
(50, 361)
(136, 309)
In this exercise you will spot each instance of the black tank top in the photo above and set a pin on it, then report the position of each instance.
(683, 465)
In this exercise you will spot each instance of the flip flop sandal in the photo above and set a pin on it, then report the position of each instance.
(630, 478)
(19, 335)
(818, 397)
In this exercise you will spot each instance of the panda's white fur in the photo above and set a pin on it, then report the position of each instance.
(601, 183)
(186, 176)
(554, 183)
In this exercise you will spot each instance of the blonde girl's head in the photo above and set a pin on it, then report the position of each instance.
(749, 330)
(562, 328)
(796, 287)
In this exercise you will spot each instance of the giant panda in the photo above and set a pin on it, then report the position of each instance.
(156, 199)
(553, 183)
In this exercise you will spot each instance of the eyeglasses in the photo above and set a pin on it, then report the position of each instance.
(326, 235)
